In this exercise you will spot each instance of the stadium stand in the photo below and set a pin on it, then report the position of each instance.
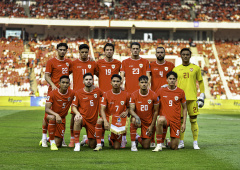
(229, 53)
(69, 9)
(11, 9)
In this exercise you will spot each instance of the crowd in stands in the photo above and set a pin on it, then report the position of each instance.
(122, 47)
(13, 69)
(218, 10)
(229, 56)
(69, 9)
(8, 8)
(151, 10)
(214, 79)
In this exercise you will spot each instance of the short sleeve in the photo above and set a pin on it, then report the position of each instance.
(123, 66)
(155, 99)
(49, 67)
(75, 101)
(199, 74)
(132, 99)
(104, 100)
(148, 66)
(50, 98)
(183, 97)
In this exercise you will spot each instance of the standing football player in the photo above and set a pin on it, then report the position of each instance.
(159, 70)
(56, 67)
(171, 100)
(56, 108)
(188, 74)
(80, 66)
(144, 110)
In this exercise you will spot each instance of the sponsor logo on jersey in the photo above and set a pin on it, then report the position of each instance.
(85, 98)
(89, 66)
(139, 102)
(59, 100)
(166, 68)
(119, 120)
(122, 102)
(67, 64)
(155, 69)
(59, 65)
(113, 66)
(149, 101)
(176, 98)
(79, 66)
(95, 95)
(141, 65)
(69, 98)
(191, 69)
(164, 96)
(131, 66)
(103, 66)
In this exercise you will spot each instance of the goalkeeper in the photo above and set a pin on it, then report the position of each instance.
(188, 74)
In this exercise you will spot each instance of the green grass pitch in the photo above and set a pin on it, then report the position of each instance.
(20, 133)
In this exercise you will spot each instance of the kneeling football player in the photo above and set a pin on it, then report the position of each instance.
(57, 106)
(85, 107)
(144, 110)
(171, 99)
(114, 106)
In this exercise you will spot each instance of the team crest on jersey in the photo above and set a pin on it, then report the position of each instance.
(191, 69)
(119, 120)
(69, 99)
(140, 65)
(122, 102)
(176, 98)
(149, 101)
(67, 64)
(113, 66)
(95, 95)
(166, 68)
(89, 66)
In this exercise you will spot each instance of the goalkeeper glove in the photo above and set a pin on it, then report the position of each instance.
(200, 100)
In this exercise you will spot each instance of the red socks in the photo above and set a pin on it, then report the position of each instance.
(52, 129)
(133, 131)
(99, 132)
(76, 136)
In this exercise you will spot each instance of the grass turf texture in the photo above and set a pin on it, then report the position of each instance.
(20, 132)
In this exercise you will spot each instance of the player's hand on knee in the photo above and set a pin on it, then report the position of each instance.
(77, 117)
(149, 131)
(123, 114)
(138, 121)
(200, 100)
(183, 127)
(58, 119)
(106, 125)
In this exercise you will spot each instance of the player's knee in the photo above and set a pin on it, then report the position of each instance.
(174, 147)
(145, 146)
(133, 120)
(160, 121)
(51, 117)
(77, 122)
(100, 121)
(92, 143)
(116, 145)
(193, 120)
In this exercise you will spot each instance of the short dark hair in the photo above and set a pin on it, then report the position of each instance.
(116, 75)
(108, 45)
(186, 49)
(62, 44)
(82, 46)
(64, 77)
(135, 43)
(143, 77)
(87, 74)
(172, 73)
(160, 48)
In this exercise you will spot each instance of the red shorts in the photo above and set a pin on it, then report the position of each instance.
(90, 129)
(174, 128)
(60, 127)
(144, 128)
(115, 137)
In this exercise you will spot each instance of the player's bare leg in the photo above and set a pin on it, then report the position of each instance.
(52, 128)
(116, 145)
(174, 143)
(152, 145)
(99, 131)
(181, 143)
(71, 144)
(133, 132)
(195, 129)
(146, 143)
(43, 142)
(161, 122)
(92, 143)
(77, 128)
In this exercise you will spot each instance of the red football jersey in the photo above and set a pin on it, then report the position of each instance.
(171, 101)
(106, 70)
(144, 105)
(115, 103)
(133, 70)
(88, 104)
(58, 68)
(60, 102)
(159, 73)
(79, 68)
